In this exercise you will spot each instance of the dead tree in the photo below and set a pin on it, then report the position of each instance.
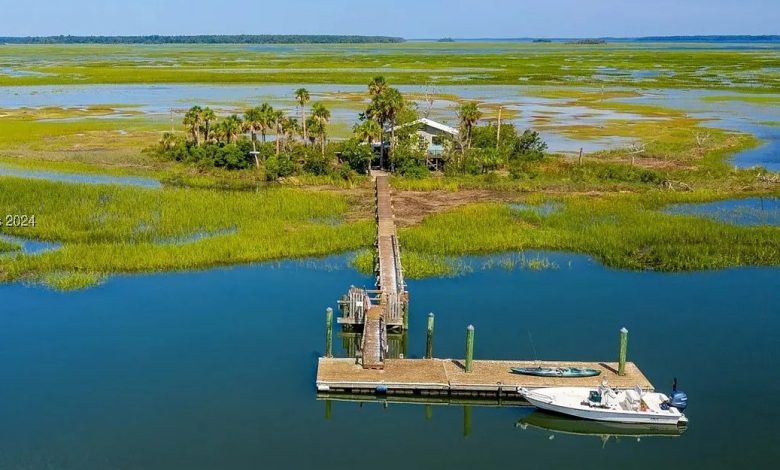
(702, 138)
(635, 149)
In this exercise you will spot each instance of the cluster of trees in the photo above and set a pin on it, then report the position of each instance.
(211, 141)
(491, 147)
(387, 133)
(392, 120)
(205, 39)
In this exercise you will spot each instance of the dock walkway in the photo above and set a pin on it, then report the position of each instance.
(376, 310)
(448, 377)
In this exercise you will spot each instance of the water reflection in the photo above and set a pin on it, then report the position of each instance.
(559, 424)
(397, 343)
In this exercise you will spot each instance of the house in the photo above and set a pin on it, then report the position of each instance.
(434, 133)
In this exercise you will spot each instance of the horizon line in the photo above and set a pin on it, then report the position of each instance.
(475, 38)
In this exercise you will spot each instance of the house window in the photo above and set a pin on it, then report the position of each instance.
(437, 140)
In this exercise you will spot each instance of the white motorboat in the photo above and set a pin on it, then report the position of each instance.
(607, 404)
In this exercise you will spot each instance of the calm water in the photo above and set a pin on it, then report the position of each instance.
(750, 211)
(215, 369)
(30, 245)
(85, 178)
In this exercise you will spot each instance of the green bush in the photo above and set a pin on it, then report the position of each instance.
(357, 155)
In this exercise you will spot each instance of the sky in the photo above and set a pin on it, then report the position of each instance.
(406, 18)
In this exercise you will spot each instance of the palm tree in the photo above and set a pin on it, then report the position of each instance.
(321, 115)
(290, 128)
(192, 119)
(208, 117)
(367, 131)
(278, 118)
(469, 114)
(267, 118)
(252, 117)
(385, 104)
(392, 102)
(302, 96)
(231, 126)
(377, 86)
(168, 140)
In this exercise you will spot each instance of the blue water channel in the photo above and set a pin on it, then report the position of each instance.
(750, 211)
(85, 178)
(215, 369)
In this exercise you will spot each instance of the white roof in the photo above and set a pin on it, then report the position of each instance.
(434, 124)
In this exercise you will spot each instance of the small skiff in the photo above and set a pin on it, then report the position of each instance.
(557, 371)
(606, 404)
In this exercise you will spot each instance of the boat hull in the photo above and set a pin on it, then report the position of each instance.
(564, 372)
(570, 407)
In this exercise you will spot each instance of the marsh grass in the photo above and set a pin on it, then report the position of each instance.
(110, 229)
(7, 247)
(622, 231)
(89, 140)
(408, 63)
(516, 261)
(69, 281)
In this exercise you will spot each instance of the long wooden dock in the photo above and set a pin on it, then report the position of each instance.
(367, 314)
(376, 310)
(448, 377)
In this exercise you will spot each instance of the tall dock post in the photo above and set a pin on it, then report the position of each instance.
(623, 351)
(469, 348)
(429, 340)
(329, 332)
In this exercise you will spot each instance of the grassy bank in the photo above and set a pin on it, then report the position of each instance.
(112, 229)
(622, 231)
(6, 247)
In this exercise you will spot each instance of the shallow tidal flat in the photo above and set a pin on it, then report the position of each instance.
(75, 120)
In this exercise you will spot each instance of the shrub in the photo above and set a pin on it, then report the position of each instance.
(357, 155)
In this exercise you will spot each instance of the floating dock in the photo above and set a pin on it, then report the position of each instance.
(448, 377)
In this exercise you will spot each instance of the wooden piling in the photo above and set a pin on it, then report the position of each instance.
(329, 332)
(469, 348)
(429, 339)
(623, 351)
(466, 421)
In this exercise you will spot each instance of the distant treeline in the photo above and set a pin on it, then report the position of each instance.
(741, 38)
(209, 39)
(588, 41)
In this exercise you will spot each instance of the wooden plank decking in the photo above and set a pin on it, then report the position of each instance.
(389, 282)
(448, 377)
(373, 348)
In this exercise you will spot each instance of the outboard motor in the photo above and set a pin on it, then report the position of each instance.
(678, 398)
